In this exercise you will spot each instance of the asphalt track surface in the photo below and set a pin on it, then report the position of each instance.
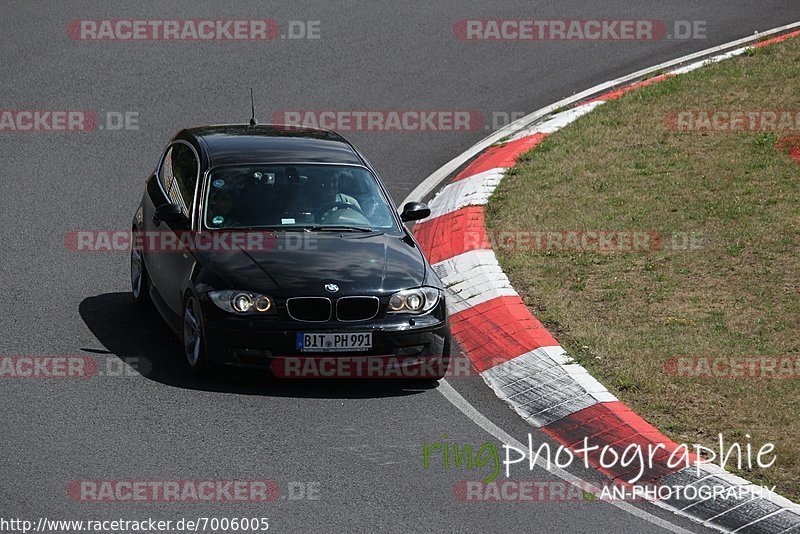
(360, 444)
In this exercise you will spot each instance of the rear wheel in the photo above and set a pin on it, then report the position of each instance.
(193, 341)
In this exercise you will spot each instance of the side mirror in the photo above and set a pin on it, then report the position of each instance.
(414, 211)
(169, 213)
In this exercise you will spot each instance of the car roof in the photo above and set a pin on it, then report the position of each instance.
(230, 144)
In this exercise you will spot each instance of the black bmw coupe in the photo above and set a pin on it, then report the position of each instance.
(279, 248)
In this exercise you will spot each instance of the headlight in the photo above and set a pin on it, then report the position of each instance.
(241, 302)
(262, 304)
(420, 300)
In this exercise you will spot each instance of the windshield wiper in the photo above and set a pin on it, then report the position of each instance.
(270, 228)
(303, 228)
(324, 228)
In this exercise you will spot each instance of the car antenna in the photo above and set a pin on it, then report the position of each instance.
(253, 121)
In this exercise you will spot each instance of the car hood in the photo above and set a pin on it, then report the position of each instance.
(302, 263)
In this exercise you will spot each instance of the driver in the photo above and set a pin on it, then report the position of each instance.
(328, 193)
(335, 181)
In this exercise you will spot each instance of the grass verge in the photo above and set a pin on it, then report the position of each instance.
(734, 293)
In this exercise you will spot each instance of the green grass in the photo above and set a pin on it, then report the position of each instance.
(735, 293)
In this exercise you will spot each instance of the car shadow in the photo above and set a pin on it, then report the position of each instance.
(141, 339)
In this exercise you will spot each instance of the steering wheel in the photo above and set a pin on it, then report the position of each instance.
(327, 209)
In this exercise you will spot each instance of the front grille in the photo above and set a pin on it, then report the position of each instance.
(310, 309)
(357, 308)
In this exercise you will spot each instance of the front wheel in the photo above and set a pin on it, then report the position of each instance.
(140, 284)
(443, 365)
(193, 342)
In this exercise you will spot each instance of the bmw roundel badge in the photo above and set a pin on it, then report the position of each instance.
(333, 288)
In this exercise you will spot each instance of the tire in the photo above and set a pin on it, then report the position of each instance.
(140, 282)
(444, 363)
(193, 340)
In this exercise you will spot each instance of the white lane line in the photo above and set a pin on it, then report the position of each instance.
(482, 421)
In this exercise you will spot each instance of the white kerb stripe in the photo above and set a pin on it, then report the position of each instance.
(696, 65)
(472, 191)
(559, 120)
(472, 278)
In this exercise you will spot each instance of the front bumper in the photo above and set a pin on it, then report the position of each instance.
(401, 343)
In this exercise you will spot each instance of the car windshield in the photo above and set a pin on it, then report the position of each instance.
(316, 197)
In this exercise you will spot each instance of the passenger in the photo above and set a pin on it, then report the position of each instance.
(221, 208)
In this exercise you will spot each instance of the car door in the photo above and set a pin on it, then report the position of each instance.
(172, 264)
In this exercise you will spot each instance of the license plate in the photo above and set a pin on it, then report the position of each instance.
(334, 342)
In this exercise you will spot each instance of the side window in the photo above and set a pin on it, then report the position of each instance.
(178, 175)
